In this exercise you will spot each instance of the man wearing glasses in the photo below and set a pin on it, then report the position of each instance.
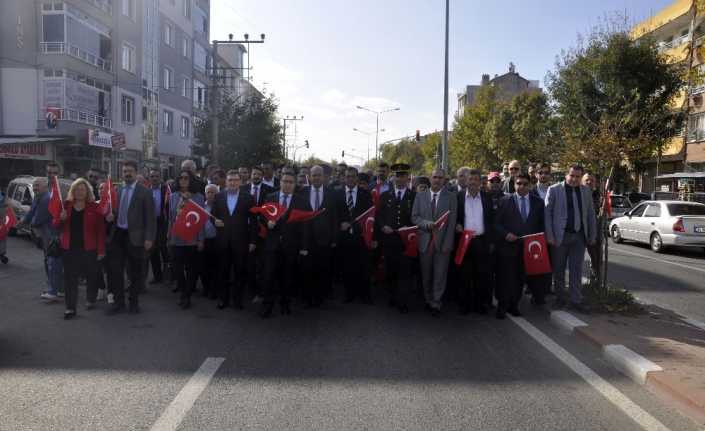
(543, 177)
(514, 170)
(93, 176)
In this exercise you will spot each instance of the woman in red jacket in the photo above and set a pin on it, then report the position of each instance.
(83, 243)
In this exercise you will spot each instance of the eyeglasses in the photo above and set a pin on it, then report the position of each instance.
(435, 177)
(521, 183)
(184, 177)
(513, 169)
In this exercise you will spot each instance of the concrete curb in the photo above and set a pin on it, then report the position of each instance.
(629, 363)
(566, 321)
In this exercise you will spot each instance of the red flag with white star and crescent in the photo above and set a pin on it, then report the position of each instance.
(409, 236)
(536, 258)
(189, 222)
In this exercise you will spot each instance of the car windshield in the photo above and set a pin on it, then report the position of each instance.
(686, 209)
(620, 202)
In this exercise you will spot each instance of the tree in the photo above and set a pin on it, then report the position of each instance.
(249, 132)
(405, 151)
(613, 97)
(472, 138)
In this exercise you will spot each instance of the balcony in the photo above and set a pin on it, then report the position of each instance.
(66, 114)
(676, 42)
(75, 52)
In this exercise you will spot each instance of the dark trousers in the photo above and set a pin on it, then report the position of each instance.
(280, 268)
(232, 258)
(398, 274)
(209, 268)
(510, 281)
(317, 273)
(130, 258)
(594, 253)
(103, 270)
(185, 264)
(355, 266)
(474, 288)
(158, 255)
(79, 263)
(255, 269)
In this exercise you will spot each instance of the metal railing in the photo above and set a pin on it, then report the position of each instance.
(76, 52)
(66, 114)
(678, 41)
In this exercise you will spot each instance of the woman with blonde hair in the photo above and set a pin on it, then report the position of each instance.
(82, 242)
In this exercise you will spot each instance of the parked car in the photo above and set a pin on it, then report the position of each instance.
(620, 205)
(661, 224)
(20, 196)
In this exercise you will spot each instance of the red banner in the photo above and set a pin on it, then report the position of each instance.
(189, 221)
(367, 220)
(408, 236)
(297, 216)
(536, 259)
(272, 211)
(463, 246)
(108, 198)
(56, 204)
(7, 223)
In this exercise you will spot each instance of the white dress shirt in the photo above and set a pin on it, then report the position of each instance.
(474, 214)
(517, 200)
(396, 192)
(354, 195)
(270, 183)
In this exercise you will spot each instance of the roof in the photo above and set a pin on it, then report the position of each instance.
(661, 18)
(27, 140)
(682, 175)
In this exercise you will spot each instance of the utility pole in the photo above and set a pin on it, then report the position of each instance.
(215, 94)
(288, 118)
(444, 155)
(377, 113)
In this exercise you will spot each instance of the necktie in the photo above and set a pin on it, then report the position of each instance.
(317, 202)
(351, 203)
(286, 201)
(399, 195)
(254, 192)
(434, 202)
(524, 213)
(124, 203)
(576, 209)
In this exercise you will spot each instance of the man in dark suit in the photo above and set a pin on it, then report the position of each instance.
(475, 213)
(519, 214)
(236, 237)
(268, 177)
(282, 248)
(159, 255)
(320, 236)
(135, 230)
(354, 255)
(394, 212)
(255, 266)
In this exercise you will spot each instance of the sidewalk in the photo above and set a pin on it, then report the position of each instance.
(662, 337)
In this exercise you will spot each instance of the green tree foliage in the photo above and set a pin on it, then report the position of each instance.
(404, 151)
(472, 142)
(250, 132)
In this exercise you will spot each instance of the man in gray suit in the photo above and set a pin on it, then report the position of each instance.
(135, 229)
(570, 225)
(429, 206)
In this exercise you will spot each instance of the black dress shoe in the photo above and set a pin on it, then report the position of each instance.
(4, 259)
(435, 312)
(186, 303)
(115, 309)
(155, 281)
(266, 311)
(464, 311)
(403, 309)
(514, 312)
(349, 299)
(391, 303)
(286, 310)
(481, 309)
(500, 314)
(238, 305)
(367, 301)
(537, 301)
(134, 309)
(221, 305)
(69, 314)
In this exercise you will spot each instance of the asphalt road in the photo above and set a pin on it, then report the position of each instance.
(342, 367)
(674, 279)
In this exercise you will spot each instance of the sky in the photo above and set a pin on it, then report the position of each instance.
(322, 58)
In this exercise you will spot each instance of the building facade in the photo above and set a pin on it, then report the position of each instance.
(508, 85)
(98, 82)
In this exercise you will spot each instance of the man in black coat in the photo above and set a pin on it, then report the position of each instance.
(235, 238)
(394, 212)
(282, 247)
(354, 255)
(255, 265)
(320, 234)
(159, 254)
(519, 214)
(476, 213)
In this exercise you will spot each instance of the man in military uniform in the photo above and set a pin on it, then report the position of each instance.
(394, 212)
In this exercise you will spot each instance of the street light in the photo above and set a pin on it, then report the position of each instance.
(378, 113)
(288, 118)
(305, 144)
(368, 134)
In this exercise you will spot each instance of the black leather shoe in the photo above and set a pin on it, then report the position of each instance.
(435, 312)
(186, 303)
(500, 314)
(134, 309)
(514, 312)
(286, 309)
(221, 305)
(238, 305)
(348, 300)
(69, 314)
(367, 301)
(155, 281)
(403, 309)
(266, 311)
(4, 259)
(115, 309)
(481, 309)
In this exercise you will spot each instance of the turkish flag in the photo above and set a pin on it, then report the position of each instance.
(367, 221)
(262, 231)
(408, 236)
(376, 191)
(463, 246)
(536, 259)
(7, 223)
(297, 216)
(56, 204)
(108, 198)
(272, 211)
(167, 196)
(189, 222)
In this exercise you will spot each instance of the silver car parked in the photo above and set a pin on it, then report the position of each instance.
(661, 224)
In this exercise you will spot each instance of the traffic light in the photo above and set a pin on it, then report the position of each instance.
(418, 136)
(343, 153)
(307, 143)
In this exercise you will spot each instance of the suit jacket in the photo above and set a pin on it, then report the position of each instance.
(488, 213)
(93, 228)
(394, 214)
(508, 220)
(322, 230)
(264, 191)
(141, 223)
(422, 216)
(286, 237)
(240, 228)
(40, 218)
(556, 213)
(508, 185)
(362, 204)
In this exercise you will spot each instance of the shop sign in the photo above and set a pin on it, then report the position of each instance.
(96, 138)
(24, 150)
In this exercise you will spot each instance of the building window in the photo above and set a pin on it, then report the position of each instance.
(200, 20)
(168, 83)
(185, 127)
(128, 8)
(185, 87)
(128, 110)
(200, 57)
(128, 58)
(168, 34)
(696, 127)
(200, 95)
(187, 8)
(186, 47)
(168, 122)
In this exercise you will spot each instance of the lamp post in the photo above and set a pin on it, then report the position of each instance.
(288, 118)
(444, 142)
(378, 113)
(368, 134)
(306, 145)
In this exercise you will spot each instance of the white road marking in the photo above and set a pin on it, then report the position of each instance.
(694, 268)
(177, 410)
(636, 413)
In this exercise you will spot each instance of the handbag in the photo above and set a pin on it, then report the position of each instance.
(54, 248)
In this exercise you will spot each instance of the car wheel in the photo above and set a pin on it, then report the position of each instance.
(616, 235)
(656, 243)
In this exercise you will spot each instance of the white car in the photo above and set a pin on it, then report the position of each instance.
(661, 224)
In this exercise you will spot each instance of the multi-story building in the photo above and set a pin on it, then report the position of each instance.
(671, 29)
(508, 85)
(80, 76)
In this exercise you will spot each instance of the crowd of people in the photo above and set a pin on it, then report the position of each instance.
(240, 255)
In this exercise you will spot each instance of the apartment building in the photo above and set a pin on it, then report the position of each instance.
(508, 85)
